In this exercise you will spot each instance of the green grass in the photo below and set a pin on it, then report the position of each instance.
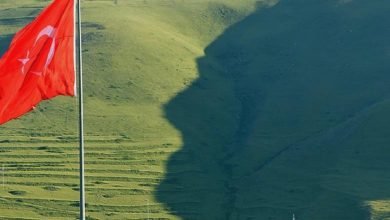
(211, 109)
(131, 55)
(121, 178)
(137, 55)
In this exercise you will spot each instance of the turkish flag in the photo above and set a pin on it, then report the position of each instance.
(40, 62)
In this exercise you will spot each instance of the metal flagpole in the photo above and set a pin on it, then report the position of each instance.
(81, 114)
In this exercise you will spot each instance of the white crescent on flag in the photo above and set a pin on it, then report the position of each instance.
(48, 31)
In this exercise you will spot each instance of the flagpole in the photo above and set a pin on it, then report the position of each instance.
(81, 114)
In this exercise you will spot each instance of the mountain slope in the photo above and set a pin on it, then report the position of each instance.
(215, 109)
(138, 55)
(294, 120)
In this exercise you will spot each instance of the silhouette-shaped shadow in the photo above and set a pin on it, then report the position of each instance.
(277, 122)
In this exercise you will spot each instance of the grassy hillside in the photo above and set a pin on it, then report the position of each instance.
(212, 109)
(291, 103)
(138, 55)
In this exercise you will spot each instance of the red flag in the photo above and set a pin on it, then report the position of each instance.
(40, 62)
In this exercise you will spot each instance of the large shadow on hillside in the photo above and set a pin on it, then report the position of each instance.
(271, 126)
